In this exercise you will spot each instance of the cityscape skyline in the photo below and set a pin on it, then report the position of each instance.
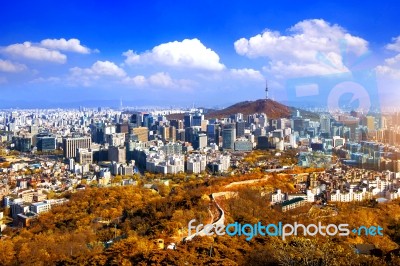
(189, 53)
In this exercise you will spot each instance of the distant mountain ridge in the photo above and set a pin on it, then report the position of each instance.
(270, 107)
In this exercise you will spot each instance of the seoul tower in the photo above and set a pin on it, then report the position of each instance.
(266, 90)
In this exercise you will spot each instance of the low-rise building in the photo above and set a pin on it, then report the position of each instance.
(40, 207)
(290, 204)
(350, 195)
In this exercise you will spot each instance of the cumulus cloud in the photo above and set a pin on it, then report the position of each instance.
(160, 80)
(393, 60)
(8, 66)
(246, 73)
(395, 45)
(71, 45)
(100, 68)
(138, 81)
(388, 71)
(388, 75)
(311, 47)
(33, 52)
(391, 66)
(189, 53)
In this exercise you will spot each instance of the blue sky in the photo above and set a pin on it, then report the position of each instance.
(211, 53)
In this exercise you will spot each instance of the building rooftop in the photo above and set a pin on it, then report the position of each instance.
(292, 201)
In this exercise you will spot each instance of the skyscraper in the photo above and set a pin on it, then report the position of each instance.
(325, 124)
(164, 132)
(136, 119)
(229, 137)
(172, 133)
(369, 122)
(240, 126)
(196, 119)
(187, 120)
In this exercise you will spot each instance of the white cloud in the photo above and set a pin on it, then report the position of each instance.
(388, 72)
(72, 45)
(100, 68)
(46, 80)
(131, 57)
(246, 73)
(391, 66)
(138, 81)
(312, 47)
(393, 60)
(8, 66)
(160, 80)
(107, 68)
(388, 76)
(395, 45)
(31, 51)
(189, 53)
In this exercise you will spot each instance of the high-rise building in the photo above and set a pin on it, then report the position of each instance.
(84, 156)
(172, 133)
(352, 123)
(199, 141)
(204, 124)
(325, 124)
(164, 132)
(117, 154)
(211, 133)
(136, 119)
(196, 119)
(148, 120)
(369, 122)
(22, 143)
(122, 128)
(187, 120)
(229, 136)
(178, 124)
(189, 134)
(240, 126)
(383, 122)
(142, 133)
(115, 139)
(70, 145)
(196, 163)
(45, 142)
(298, 124)
(98, 132)
(34, 129)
